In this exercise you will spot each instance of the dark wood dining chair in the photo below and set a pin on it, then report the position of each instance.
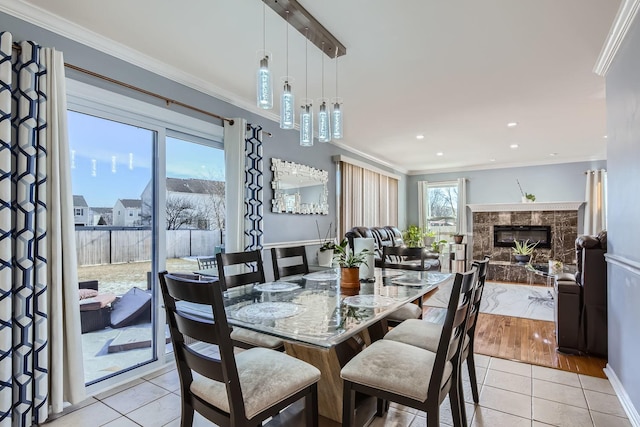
(238, 269)
(233, 390)
(284, 261)
(409, 375)
(426, 335)
(392, 257)
(206, 262)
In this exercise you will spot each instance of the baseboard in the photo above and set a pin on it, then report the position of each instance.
(632, 413)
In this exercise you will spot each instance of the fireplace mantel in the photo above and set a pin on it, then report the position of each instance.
(525, 207)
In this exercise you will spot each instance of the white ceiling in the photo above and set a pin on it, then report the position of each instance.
(454, 71)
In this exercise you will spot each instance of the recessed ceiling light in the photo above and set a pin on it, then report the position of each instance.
(439, 153)
(513, 146)
(492, 160)
(553, 154)
(605, 137)
(512, 124)
(419, 136)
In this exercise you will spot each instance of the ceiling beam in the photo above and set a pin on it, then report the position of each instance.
(302, 20)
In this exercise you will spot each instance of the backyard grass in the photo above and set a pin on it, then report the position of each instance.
(119, 278)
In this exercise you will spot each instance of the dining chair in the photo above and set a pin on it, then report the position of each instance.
(283, 260)
(232, 272)
(206, 262)
(411, 376)
(391, 257)
(238, 390)
(426, 335)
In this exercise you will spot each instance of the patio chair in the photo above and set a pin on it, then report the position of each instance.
(233, 390)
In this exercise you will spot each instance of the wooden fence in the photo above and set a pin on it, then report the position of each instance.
(113, 245)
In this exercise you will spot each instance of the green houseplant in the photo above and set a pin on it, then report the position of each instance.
(414, 236)
(522, 250)
(349, 263)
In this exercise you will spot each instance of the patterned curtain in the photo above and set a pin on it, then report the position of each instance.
(40, 348)
(254, 189)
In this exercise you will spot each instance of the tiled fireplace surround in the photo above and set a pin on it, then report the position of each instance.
(563, 219)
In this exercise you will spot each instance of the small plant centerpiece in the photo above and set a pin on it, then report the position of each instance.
(522, 250)
(414, 236)
(349, 263)
(327, 246)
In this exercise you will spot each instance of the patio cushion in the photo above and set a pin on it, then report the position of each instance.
(97, 302)
(87, 293)
(130, 306)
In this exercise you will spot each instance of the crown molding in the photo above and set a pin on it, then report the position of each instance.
(621, 24)
(82, 35)
(525, 207)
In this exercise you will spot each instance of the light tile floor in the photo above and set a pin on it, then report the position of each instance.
(512, 394)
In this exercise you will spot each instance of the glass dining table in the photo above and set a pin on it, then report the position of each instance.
(322, 323)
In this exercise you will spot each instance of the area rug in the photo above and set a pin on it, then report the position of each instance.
(530, 302)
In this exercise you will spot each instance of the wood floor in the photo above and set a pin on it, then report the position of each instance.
(525, 340)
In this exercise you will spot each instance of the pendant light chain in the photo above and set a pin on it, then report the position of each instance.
(287, 73)
(322, 56)
(264, 27)
(306, 62)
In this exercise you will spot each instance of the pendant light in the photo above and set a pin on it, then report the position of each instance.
(264, 79)
(324, 128)
(337, 112)
(306, 114)
(287, 101)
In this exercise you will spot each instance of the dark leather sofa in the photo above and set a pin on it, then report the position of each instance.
(386, 236)
(581, 300)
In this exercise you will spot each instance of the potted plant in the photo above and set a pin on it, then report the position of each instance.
(429, 237)
(526, 197)
(327, 246)
(414, 236)
(436, 246)
(349, 263)
(522, 250)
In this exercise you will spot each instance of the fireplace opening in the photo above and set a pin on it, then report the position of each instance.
(505, 235)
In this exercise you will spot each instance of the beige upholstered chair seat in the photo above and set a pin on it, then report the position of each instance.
(266, 377)
(256, 339)
(379, 366)
(407, 311)
(418, 333)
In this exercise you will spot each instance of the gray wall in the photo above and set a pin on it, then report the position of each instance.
(623, 153)
(550, 183)
(283, 144)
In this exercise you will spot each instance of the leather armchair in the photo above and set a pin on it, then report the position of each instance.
(581, 300)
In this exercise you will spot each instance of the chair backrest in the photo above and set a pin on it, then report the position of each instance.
(453, 330)
(232, 268)
(290, 254)
(214, 331)
(206, 262)
(395, 255)
(482, 267)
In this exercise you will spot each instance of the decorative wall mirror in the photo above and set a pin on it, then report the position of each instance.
(299, 189)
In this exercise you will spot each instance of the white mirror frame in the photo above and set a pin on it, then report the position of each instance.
(281, 171)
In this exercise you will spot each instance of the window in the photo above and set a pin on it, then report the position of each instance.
(79, 212)
(439, 208)
(118, 152)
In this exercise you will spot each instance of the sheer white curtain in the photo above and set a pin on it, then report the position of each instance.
(423, 204)
(462, 206)
(595, 211)
(367, 198)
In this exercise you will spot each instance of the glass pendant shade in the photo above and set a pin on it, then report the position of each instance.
(306, 124)
(324, 128)
(287, 103)
(265, 84)
(336, 120)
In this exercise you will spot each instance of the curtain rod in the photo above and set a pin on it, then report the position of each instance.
(168, 101)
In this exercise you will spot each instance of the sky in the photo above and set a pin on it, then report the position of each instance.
(111, 160)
